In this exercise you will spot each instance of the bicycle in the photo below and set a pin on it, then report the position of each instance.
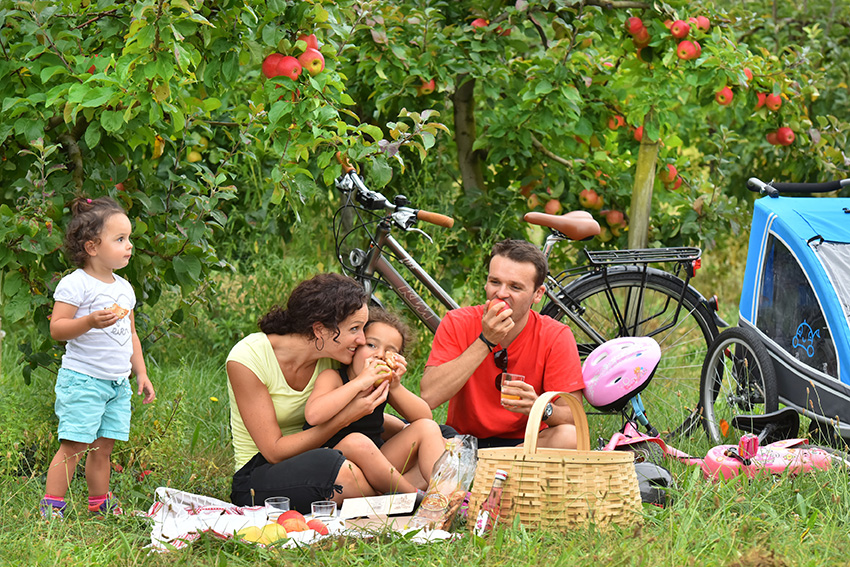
(616, 293)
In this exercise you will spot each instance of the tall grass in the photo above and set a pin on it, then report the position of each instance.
(184, 440)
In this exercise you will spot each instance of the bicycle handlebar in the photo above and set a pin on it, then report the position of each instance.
(373, 200)
(435, 218)
(772, 189)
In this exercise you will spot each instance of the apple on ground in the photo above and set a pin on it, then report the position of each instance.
(251, 534)
(761, 99)
(273, 533)
(773, 102)
(426, 88)
(723, 96)
(785, 136)
(588, 198)
(552, 207)
(680, 29)
(686, 50)
(310, 40)
(312, 60)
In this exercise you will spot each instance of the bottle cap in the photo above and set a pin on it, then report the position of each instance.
(501, 475)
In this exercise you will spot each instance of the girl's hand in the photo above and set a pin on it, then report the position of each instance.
(400, 366)
(364, 403)
(374, 373)
(102, 318)
(144, 386)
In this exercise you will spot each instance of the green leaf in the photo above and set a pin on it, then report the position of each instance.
(92, 136)
(111, 120)
(187, 268)
(373, 131)
(381, 173)
(97, 97)
(48, 72)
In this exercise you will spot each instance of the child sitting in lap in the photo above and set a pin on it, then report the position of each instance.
(415, 448)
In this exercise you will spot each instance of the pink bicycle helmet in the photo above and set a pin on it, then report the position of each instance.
(619, 369)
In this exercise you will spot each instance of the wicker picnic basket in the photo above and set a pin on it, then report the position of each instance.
(559, 488)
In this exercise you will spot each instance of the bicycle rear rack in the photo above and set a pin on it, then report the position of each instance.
(642, 256)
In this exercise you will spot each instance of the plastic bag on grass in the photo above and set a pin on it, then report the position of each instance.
(450, 481)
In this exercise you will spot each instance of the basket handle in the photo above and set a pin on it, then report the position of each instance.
(532, 428)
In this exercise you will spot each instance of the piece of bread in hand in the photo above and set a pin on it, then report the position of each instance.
(118, 310)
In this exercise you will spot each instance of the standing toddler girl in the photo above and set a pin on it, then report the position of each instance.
(93, 313)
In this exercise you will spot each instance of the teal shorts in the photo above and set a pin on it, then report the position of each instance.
(89, 408)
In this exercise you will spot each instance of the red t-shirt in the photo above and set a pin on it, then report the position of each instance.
(544, 352)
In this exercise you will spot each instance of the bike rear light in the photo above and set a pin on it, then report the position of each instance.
(714, 303)
(696, 264)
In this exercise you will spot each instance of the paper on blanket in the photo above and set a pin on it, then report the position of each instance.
(377, 505)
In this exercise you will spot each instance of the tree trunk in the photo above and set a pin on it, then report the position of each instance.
(463, 102)
(641, 206)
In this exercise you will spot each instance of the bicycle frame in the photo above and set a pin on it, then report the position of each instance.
(375, 261)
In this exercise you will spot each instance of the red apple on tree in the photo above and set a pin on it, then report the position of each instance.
(641, 39)
(771, 139)
(426, 88)
(638, 133)
(312, 60)
(479, 23)
(270, 65)
(634, 25)
(588, 198)
(615, 122)
(785, 136)
(761, 98)
(686, 50)
(614, 218)
(289, 66)
(723, 96)
(698, 47)
(703, 23)
(680, 29)
(677, 184)
(773, 102)
(310, 40)
(748, 74)
(669, 174)
(552, 207)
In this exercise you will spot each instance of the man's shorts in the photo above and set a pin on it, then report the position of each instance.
(89, 408)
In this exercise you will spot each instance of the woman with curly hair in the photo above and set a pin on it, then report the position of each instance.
(270, 377)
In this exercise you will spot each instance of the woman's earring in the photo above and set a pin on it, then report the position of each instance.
(320, 347)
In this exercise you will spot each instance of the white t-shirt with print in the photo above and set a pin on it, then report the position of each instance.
(102, 353)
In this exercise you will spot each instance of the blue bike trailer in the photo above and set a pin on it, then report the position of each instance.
(796, 296)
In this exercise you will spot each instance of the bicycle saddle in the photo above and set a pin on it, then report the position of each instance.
(770, 427)
(575, 225)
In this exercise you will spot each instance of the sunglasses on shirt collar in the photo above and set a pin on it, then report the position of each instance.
(500, 357)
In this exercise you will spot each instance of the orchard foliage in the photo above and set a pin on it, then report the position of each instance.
(549, 98)
(161, 104)
(550, 103)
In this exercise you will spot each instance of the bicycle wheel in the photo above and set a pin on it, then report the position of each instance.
(620, 303)
(737, 378)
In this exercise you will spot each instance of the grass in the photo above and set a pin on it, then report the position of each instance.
(184, 440)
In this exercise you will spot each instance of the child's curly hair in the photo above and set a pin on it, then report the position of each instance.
(89, 216)
(378, 315)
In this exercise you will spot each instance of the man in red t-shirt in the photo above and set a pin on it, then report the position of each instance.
(462, 368)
